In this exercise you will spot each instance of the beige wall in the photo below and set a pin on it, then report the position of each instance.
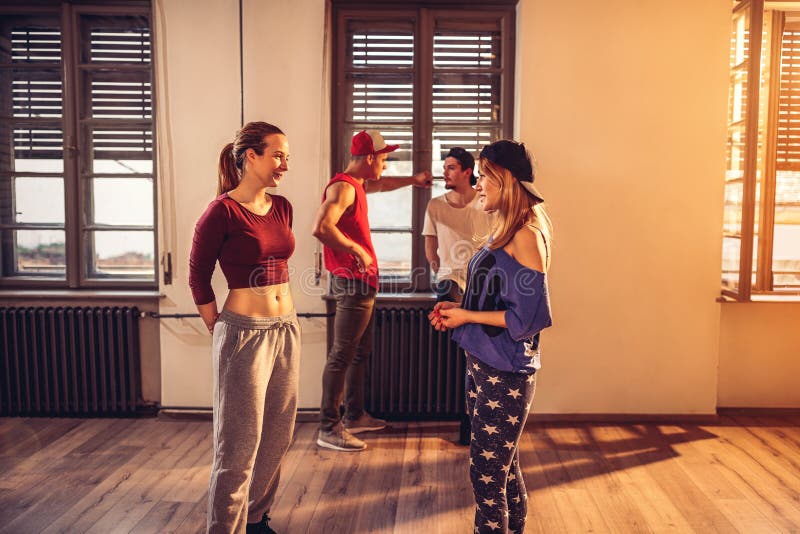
(759, 355)
(624, 104)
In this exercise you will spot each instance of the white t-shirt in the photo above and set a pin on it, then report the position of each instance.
(459, 232)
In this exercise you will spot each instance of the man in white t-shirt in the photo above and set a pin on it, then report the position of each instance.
(455, 224)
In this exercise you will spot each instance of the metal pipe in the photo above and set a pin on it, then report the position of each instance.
(156, 315)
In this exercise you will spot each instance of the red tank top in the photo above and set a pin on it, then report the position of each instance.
(355, 225)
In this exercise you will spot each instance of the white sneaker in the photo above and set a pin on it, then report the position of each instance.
(365, 423)
(340, 439)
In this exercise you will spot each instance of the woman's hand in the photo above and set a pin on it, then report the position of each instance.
(209, 314)
(210, 325)
(453, 317)
(436, 317)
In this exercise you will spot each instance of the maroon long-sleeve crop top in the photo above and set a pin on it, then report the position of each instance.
(252, 249)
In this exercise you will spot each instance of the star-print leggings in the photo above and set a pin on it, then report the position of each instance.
(498, 403)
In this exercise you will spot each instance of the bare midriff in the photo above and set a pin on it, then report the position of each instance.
(263, 301)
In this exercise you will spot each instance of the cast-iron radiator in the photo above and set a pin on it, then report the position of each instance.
(69, 361)
(415, 372)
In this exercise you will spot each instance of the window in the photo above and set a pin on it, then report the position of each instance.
(76, 160)
(428, 79)
(761, 243)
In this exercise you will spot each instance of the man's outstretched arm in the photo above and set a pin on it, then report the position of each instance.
(423, 179)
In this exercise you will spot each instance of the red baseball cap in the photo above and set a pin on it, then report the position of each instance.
(368, 142)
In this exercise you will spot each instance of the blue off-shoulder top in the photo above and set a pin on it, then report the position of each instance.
(496, 281)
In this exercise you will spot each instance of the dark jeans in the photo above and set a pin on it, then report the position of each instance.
(346, 366)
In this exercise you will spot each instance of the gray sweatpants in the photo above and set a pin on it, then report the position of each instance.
(255, 399)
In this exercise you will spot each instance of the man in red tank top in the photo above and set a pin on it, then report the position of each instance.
(342, 226)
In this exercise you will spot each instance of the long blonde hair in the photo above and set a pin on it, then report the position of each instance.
(516, 208)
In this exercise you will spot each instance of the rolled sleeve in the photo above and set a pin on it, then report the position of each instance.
(527, 304)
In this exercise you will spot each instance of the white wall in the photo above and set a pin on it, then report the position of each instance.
(283, 84)
(198, 112)
(283, 49)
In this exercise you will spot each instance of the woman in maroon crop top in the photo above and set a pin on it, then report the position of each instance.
(256, 337)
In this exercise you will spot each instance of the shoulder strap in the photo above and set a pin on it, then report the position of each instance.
(546, 244)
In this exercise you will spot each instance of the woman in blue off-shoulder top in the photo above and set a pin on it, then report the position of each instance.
(504, 309)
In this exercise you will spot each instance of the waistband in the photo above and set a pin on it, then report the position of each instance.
(257, 323)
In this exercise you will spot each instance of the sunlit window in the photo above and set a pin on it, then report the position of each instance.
(761, 243)
(428, 80)
(76, 176)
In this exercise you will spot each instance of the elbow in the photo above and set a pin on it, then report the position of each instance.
(320, 231)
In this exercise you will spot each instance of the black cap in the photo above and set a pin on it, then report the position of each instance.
(514, 157)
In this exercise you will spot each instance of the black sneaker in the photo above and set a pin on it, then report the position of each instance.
(262, 527)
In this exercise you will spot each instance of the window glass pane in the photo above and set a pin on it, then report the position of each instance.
(735, 157)
(399, 162)
(390, 210)
(38, 143)
(735, 154)
(737, 96)
(39, 252)
(394, 253)
(122, 166)
(119, 95)
(739, 40)
(732, 213)
(36, 149)
(119, 254)
(380, 98)
(472, 140)
(30, 93)
(391, 45)
(731, 248)
(38, 200)
(122, 201)
(466, 49)
(786, 238)
(466, 98)
(116, 39)
(122, 151)
(30, 39)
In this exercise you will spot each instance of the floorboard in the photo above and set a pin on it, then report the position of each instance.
(146, 476)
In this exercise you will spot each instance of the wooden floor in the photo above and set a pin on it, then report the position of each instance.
(150, 476)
